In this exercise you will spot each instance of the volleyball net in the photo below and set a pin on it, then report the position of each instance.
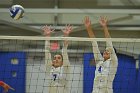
(23, 63)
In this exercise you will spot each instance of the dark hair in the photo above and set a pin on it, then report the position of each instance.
(60, 55)
(115, 49)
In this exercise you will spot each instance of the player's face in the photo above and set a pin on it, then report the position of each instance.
(57, 61)
(106, 54)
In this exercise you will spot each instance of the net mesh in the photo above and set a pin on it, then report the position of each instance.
(23, 64)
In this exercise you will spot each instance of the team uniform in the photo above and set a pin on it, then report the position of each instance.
(59, 77)
(105, 70)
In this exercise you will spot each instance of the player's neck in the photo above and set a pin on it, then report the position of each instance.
(106, 59)
(57, 66)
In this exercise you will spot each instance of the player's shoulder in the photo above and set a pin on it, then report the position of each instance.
(99, 63)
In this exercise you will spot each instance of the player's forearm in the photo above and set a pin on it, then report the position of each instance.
(97, 54)
(96, 51)
(47, 56)
(90, 32)
(65, 44)
(107, 35)
(47, 50)
(65, 51)
(106, 32)
(65, 54)
(113, 53)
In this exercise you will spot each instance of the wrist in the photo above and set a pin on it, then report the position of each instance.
(104, 26)
(89, 28)
(47, 35)
(65, 35)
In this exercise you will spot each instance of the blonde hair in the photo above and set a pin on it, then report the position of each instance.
(109, 49)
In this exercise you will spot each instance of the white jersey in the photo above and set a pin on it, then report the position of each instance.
(102, 68)
(56, 75)
(105, 70)
(59, 77)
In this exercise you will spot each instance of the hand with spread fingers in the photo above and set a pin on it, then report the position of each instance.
(103, 21)
(67, 30)
(47, 30)
(87, 22)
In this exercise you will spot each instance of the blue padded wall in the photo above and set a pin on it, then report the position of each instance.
(13, 74)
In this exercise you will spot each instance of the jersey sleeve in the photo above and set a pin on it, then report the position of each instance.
(97, 55)
(66, 64)
(65, 56)
(48, 60)
(109, 46)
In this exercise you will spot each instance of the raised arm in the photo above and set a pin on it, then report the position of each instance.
(48, 61)
(103, 22)
(67, 30)
(96, 51)
(6, 86)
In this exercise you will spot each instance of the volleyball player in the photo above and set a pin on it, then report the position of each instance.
(59, 67)
(106, 65)
(5, 86)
